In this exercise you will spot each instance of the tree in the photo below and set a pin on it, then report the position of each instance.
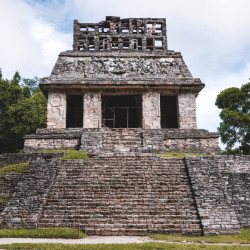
(235, 115)
(22, 110)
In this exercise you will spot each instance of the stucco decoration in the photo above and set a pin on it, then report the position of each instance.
(56, 117)
(86, 67)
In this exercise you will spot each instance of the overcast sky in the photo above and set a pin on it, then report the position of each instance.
(212, 35)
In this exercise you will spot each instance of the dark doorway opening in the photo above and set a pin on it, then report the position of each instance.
(169, 112)
(74, 115)
(121, 111)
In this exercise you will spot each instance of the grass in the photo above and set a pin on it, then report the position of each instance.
(180, 154)
(142, 246)
(15, 168)
(70, 154)
(242, 238)
(4, 200)
(67, 233)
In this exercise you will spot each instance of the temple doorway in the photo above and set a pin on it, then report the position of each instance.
(169, 112)
(123, 111)
(74, 114)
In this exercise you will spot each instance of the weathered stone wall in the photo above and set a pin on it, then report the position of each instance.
(221, 188)
(109, 195)
(191, 145)
(125, 140)
(187, 111)
(7, 184)
(193, 195)
(151, 117)
(111, 140)
(56, 110)
(26, 206)
(50, 144)
(92, 113)
(120, 66)
(15, 158)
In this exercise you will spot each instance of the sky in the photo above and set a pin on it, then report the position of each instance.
(212, 35)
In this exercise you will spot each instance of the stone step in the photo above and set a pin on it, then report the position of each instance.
(115, 194)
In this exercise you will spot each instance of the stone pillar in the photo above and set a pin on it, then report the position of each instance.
(92, 110)
(151, 110)
(56, 110)
(187, 111)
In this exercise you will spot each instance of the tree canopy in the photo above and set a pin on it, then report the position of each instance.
(235, 115)
(22, 111)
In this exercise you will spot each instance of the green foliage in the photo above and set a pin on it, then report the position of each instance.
(22, 111)
(28, 114)
(15, 168)
(70, 154)
(235, 115)
(242, 238)
(67, 233)
(179, 154)
(141, 246)
(31, 84)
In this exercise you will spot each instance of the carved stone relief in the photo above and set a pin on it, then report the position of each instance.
(56, 117)
(112, 67)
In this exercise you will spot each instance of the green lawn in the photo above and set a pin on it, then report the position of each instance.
(180, 154)
(67, 233)
(143, 246)
(15, 168)
(243, 237)
(70, 154)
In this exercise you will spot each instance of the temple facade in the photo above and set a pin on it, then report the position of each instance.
(121, 96)
(121, 75)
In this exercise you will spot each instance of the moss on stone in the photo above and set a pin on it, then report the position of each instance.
(15, 168)
(4, 200)
(70, 154)
(180, 154)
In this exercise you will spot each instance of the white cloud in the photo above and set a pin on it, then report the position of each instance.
(30, 44)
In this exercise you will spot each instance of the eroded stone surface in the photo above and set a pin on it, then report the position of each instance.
(56, 110)
(92, 113)
(125, 140)
(151, 110)
(187, 111)
(221, 188)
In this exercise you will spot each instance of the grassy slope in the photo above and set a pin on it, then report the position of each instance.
(244, 237)
(66, 233)
(15, 168)
(180, 154)
(69, 154)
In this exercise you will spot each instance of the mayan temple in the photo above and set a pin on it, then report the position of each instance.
(123, 97)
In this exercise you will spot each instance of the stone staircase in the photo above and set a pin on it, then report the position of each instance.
(122, 140)
(122, 194)
(112, 140)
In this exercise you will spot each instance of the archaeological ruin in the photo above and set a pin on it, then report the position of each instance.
(122, 96)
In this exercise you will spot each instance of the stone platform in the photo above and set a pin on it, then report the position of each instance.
(130, 193)
(124, 140)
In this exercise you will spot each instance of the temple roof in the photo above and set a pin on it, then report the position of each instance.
(118, 52)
